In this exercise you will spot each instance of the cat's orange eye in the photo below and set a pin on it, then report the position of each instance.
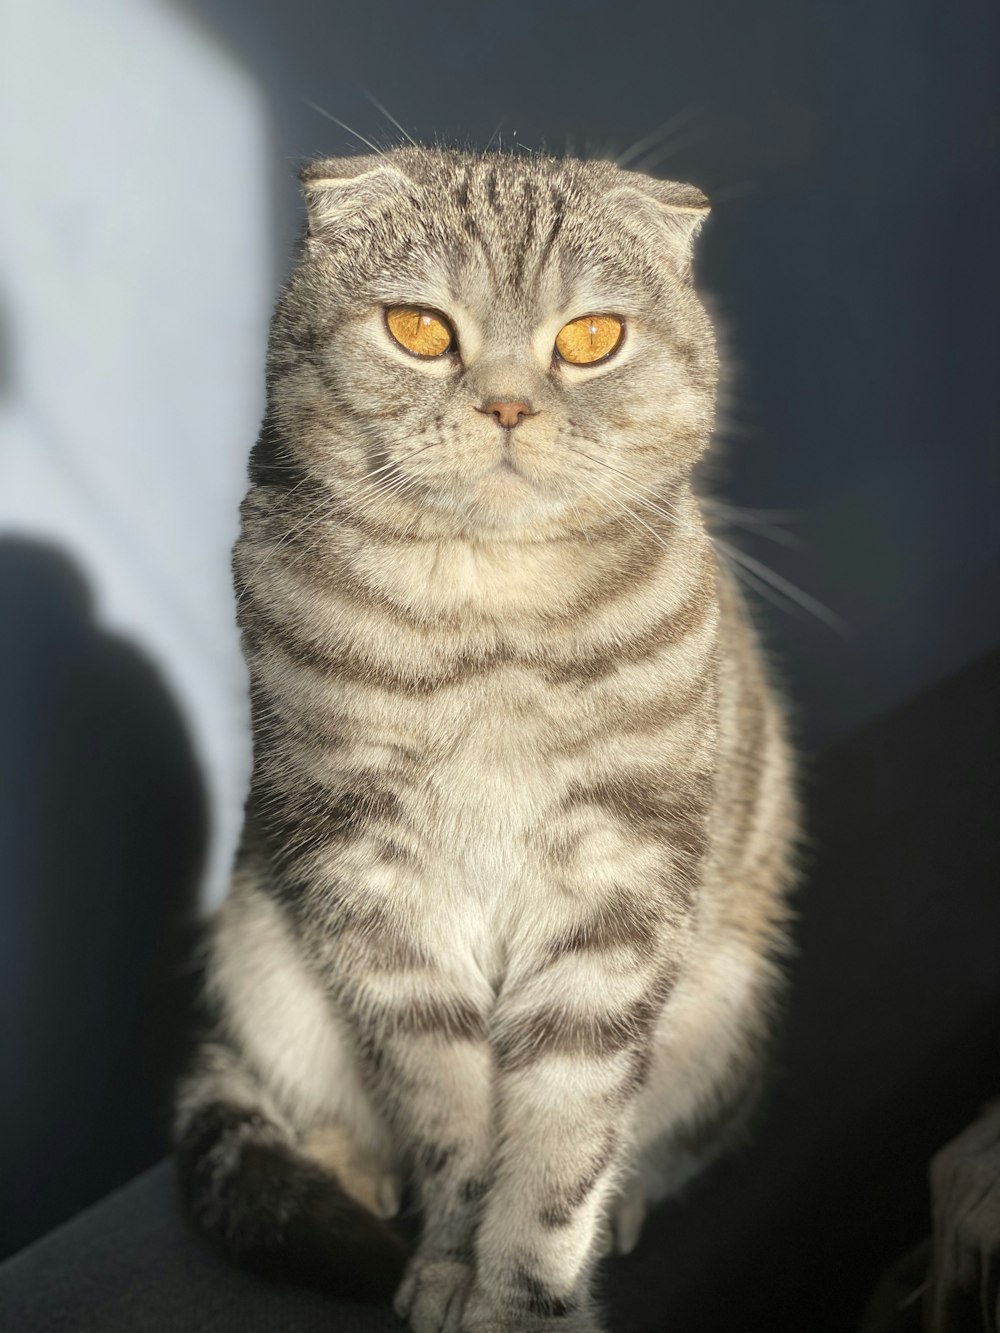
(420, 331)
(589, 339)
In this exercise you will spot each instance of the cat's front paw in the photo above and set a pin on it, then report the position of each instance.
(432, 1294)
(482, 1315)
(530, 1323)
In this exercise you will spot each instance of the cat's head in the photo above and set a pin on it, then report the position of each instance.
(494, 343)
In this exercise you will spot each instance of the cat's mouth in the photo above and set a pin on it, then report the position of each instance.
(505, 476)
(506, 467)
(506, 493)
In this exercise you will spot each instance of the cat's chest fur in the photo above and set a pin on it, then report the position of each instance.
(474, 712)
(475, 769)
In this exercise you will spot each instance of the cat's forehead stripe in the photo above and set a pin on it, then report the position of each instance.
(514, 222)
(528, 234)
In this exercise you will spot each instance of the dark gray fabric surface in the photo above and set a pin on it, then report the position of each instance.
(131, 1264)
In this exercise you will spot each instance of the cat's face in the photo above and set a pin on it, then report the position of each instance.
(416, 355)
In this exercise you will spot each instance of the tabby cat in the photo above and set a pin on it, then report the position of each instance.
(500, 943)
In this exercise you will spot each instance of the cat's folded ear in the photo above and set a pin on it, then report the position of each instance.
(675, 209)
(337, 189)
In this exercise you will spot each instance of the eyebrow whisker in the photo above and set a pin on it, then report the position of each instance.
(323, 112)
(389, 116)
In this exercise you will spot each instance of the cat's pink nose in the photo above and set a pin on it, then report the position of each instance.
(506, 412)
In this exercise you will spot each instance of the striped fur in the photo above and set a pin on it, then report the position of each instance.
(504, 923)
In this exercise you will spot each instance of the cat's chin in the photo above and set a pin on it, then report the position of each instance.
(532, 523)
(505, 490)
(514, 509)
(503, 502)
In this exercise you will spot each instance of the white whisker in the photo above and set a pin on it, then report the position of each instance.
(750, 520)
(360, 490)
(760, 574)
(656, 136)
(297, 529)
(642, 494)
(784, 586)
(741, 575)
(389, 117)
(313, 106)
(671, 149)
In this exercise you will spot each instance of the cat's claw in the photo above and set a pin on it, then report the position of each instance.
(628, 1213)
(622, 1225)
(431, 1296)
(388, 1196)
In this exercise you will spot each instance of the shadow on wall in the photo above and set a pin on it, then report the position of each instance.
(103, 830)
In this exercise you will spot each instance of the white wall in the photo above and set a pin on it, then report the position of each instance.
(135, 285)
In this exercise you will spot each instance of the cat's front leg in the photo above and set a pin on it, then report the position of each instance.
(422, 1027)
(438, 1279)
(571, 1050)
(481, 1315)
(443, 1082)
(439, 1081)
